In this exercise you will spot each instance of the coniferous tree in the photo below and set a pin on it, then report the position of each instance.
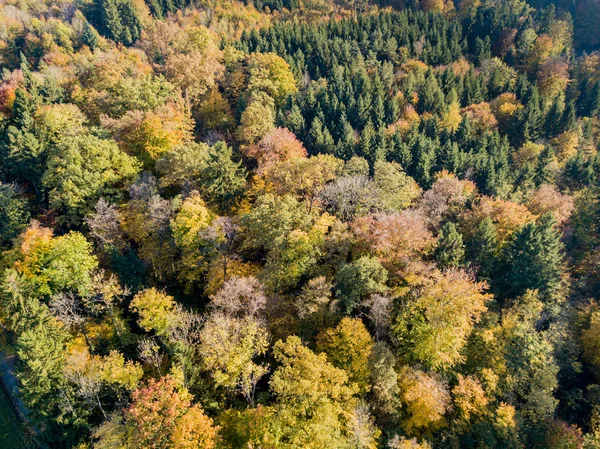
(554, 117)
(569, 118)
(450, 251)
(223, 179)
(483, 249)
(594, 109)
(535, 258)
(367, 143)
(25, 153)
(90, 36)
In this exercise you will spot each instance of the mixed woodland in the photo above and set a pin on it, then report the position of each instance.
(302, 224)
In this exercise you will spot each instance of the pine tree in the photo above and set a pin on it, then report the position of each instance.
(450, 251)
(594, 109)
(431, 97)
(317, 138)
(111, 18)
(544, 174)
(483, 249)
(535, 258)
(25, 154)
(223, 180)
(367, 143)
(533, 119)
(347, 143)
(424, 153)
(295, 121)
(554, 116)
(90, 36)
(569, 118)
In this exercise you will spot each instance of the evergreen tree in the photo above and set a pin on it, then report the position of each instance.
(533, 116)
(111, 18)
(450, 251)
(367, 143)
(483, 249)
(535, 259)
(25, 153)
(569, 118)
(594, 109)
(90, 36)
(554, 117)
(223, 180)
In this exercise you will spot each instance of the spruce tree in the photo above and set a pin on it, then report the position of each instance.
(223, 180)
(535, 258)
(90, 36)
(594, 109)
(569, 118)
(533, 119)
(483, 249)
(111, 18)
(367, 143)
(554, 116)
(450, 251)
(24, 152)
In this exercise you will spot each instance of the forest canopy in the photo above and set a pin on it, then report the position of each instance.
(302, 224)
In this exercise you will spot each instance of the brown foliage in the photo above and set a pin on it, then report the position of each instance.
(278, 145)
(508, 216)
(548, 199)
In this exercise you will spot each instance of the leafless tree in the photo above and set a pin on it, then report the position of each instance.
(222, 233)
(70, 311)
(185, 327)
(350, 197)
(363, 433)
(240, 296)
(150, 353)
(104, 225)
(378, 308)
(88, 384)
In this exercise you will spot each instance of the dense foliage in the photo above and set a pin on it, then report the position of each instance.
(302, 224)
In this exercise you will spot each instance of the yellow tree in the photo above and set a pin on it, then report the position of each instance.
(426, 398)
(314, 400)
(348, 346)
(155, 310)
(437, 316)
(303, 177)
(150, 134)
(270, 73)
(192, 219)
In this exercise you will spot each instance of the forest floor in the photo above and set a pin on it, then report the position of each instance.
(13, 432)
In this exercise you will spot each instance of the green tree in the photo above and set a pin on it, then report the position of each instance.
(44, 387)
(52, 265)
(450, 251)
(483, 249)
(223, 180)
(357, 280)
(90, 36)
(83, 168)
(14, 213)
(535, 258)
(26, 155)
(397, 190)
